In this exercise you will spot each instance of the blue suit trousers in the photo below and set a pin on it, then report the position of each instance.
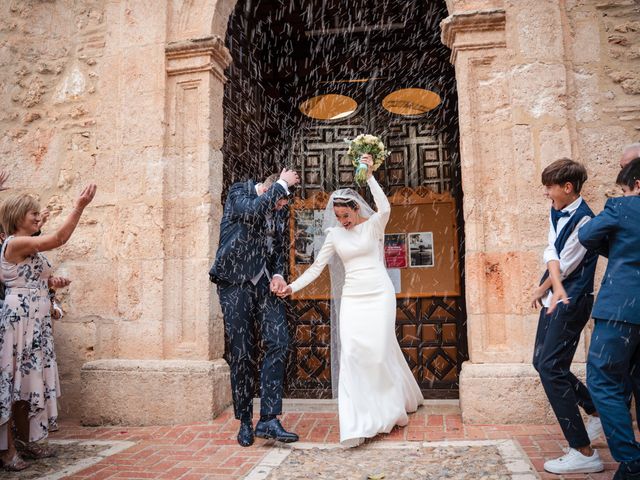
(251, 310)
(614, 360)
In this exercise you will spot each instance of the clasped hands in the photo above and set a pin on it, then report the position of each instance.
(279, 287)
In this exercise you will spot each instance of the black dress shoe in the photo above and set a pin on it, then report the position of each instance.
(272, 429)
(245, 435)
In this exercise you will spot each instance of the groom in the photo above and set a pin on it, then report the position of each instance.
(248, 270)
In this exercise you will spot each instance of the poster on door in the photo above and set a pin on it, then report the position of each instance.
(421, 249)
(304, 237)
(308, 235)
(395, 250)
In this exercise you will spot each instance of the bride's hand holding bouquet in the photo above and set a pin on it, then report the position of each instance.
(367, 159)
(370, 145)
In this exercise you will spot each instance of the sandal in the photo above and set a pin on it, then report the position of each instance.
(35, 451)
(16, 464)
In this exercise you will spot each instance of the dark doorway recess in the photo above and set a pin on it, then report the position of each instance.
(288, 52)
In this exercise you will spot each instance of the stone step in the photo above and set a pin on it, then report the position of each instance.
(430, 407)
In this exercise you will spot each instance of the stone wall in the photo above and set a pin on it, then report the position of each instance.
(537, 80)
(605, 93)
(54, 139)
(91, 92)
(129, 94)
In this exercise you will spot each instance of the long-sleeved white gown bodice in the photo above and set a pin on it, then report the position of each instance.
(376, 388)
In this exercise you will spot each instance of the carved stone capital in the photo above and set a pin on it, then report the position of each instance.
(198, 55)
(474, 30)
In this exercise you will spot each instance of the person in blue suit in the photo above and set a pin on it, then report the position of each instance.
(248, 269)
(614, 352)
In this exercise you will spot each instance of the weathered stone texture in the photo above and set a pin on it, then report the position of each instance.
(567, 73)
(605, 97)
(147, 392)
(49, 72)
(121, 93)
(504, 393)
(83, 96)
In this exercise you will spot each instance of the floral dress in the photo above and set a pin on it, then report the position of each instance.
(28, 368)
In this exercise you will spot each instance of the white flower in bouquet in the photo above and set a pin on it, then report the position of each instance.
(365, 143)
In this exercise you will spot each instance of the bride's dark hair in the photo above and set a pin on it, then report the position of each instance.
(345, 202)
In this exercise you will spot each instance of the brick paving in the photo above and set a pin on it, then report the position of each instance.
(209, 451)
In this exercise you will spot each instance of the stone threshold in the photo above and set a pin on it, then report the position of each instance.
(292, 405)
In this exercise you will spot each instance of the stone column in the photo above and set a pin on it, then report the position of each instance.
(190, 383)
(513, 121)
(192, 211)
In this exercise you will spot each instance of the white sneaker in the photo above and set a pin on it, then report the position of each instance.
(594, 428)
(575, 462)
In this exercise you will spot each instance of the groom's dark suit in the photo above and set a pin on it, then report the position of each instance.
(250, 251)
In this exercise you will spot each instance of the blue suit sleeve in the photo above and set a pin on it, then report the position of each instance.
(594, 234)
(248, 207)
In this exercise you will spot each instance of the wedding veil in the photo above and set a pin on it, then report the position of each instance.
(336, 270)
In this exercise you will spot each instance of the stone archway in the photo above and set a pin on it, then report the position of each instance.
(284, 54)
(499, 328)
(498, 250)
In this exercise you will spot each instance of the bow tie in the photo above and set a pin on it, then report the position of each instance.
(557, 215)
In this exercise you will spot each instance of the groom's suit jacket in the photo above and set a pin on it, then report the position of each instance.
(243, 249)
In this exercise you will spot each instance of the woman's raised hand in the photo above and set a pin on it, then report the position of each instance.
(44, 216)
(367, 159)
(85, 197)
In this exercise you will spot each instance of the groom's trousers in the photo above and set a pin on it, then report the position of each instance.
(247, 308)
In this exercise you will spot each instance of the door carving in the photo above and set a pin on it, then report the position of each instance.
(430, 320)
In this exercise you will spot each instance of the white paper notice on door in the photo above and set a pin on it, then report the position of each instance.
(394, 275)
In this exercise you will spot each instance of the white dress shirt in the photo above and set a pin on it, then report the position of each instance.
(573, 251)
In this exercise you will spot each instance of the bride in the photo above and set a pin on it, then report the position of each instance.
(376, 388)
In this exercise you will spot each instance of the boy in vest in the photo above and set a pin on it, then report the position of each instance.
(566, 295)
(614, 353)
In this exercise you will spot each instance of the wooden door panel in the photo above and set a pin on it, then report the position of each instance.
(430, 331)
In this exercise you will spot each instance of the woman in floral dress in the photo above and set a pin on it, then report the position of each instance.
(29, 383)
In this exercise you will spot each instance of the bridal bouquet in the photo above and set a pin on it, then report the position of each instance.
(365, 143)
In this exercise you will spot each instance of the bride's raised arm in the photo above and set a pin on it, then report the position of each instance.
(323, 257)
(381, 217)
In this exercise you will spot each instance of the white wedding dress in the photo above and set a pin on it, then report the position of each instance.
(376, 388)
